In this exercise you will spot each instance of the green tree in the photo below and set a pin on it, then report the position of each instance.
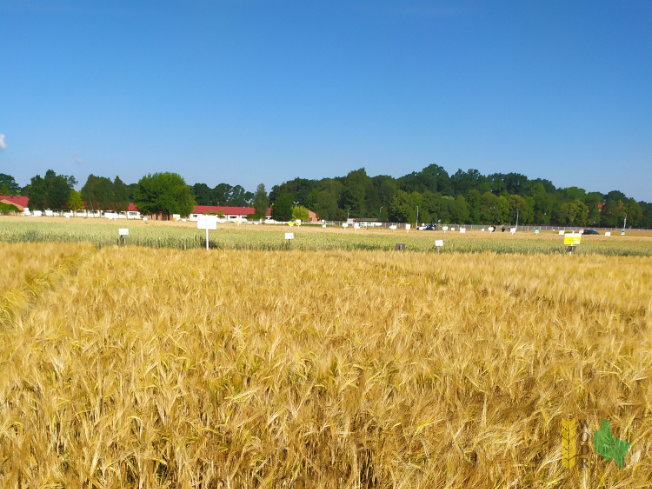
(353, 196)
(50, 192)
(520, 205)
(300, 212)
(646, 220)
(502, 210)
(463, 182)
(222, 194)
(542, 204)
(474, 200)
(240, 197)
(460, 210)
(261, 201)
(98, 193)
(120, 195)
(203, 194)
(11, 185)
(400, 207)
(326, 205)
(615, 196)
(611, 216)
(575, 193)
(165, 194)
(634, 213)
(59, 188)
(440, 207)
(488, 208)
(592, 202)
(37, 192)
(75, 202)
(386, 190)
(282, 208)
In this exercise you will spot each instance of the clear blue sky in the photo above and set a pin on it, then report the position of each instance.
(250, 91)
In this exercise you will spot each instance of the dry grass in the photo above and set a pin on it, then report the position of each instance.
(30, 269)
(163, 368)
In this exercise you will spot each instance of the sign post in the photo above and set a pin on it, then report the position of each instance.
(124, 232)
(207, 222)
(439, 243)
(572, 240)
(288, 239)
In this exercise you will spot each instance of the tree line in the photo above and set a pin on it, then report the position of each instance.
(466, 197)
(159, 193)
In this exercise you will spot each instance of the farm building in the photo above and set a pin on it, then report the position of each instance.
(231, 214)
(19, 201)
(235, 214)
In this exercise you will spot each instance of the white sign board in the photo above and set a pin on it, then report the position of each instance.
(439, 242)
(123, 232)
(393, 228)
(207, 222)
(462, 230)
(607, 233)
(407, 227)
(536, 231)
(356, 225)
(289, 235)
(324, 226)
(512, 230)
(345, 225)
(561, 233)
(445, 228)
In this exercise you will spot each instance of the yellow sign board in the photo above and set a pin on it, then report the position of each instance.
(572, 239)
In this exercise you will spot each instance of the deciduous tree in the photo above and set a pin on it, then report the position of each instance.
(165, 194)
(261, 201)
(282, 208)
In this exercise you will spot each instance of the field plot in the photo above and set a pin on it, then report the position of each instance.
(182, 235)
(163, 368)
(30, 269)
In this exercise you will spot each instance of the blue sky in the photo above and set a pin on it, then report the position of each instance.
(251, 91)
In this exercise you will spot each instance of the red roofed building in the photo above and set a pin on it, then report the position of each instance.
(230, 213)
(19, 201)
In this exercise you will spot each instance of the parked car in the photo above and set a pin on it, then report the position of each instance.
(590, 231)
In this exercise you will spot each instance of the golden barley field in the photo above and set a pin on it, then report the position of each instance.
(165, 368)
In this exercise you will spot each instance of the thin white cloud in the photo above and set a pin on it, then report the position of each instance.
(79, 160)
(3, 145)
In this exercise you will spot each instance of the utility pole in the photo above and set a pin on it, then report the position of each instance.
(417, 224)
(624, 222)
(516, 227)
